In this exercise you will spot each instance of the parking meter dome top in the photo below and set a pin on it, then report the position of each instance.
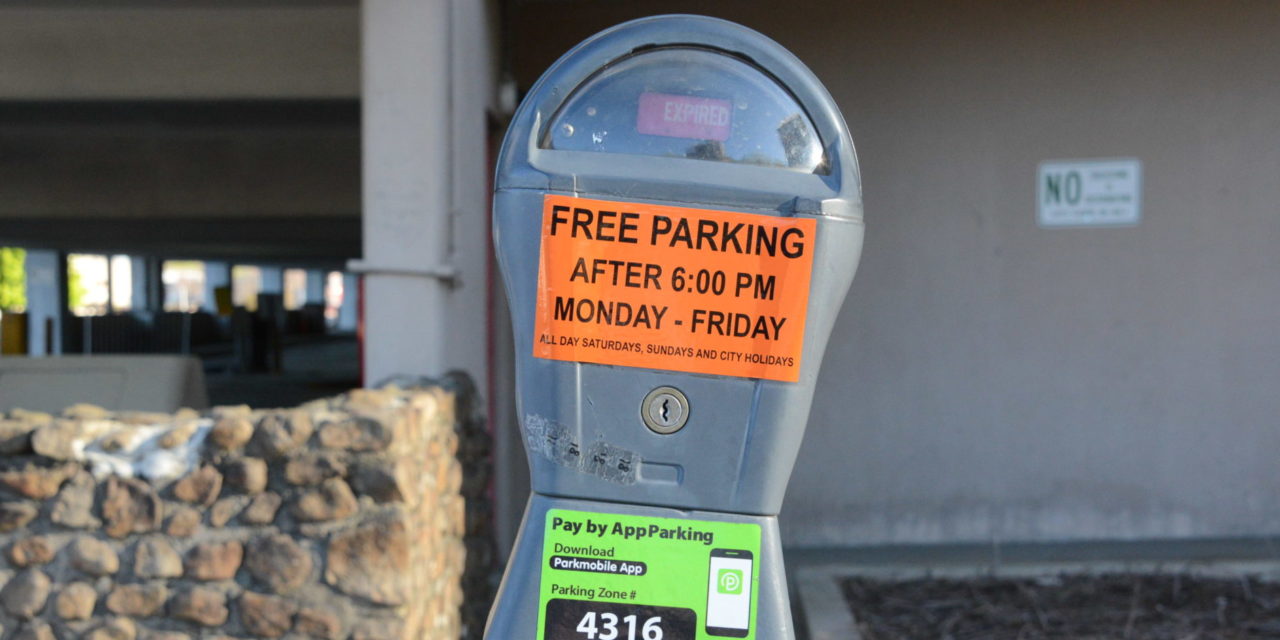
(692, 103)
(690, 90)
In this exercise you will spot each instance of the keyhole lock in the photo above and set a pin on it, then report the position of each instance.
(665, 410)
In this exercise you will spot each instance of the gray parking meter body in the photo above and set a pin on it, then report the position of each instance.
(678, 216)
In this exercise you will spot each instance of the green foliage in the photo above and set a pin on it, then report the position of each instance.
(13, 279)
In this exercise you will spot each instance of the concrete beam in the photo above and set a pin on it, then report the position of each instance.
(178, 159)
(192, 51)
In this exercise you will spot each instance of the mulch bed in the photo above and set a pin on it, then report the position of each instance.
(1137, 606)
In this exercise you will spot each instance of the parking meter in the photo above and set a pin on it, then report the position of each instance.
(678, 216)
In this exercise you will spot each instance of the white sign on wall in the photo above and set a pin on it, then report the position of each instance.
(1089, 193)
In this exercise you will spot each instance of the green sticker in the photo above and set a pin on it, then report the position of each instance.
(616, 577)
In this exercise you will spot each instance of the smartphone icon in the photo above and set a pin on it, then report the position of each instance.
(729, 593)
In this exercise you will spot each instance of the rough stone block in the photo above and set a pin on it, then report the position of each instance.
(56, 440)
(214, 560)
(38, 483)
(201, 605)
(180, 434)
(35, 630)
(93, 557)
(31, 551)
(370, 399)
(247, 475)
(262, 509)
(369, 560)
(280, 433)
(266, 616)
(26, 593)
(357, 433)
(35, 417)
(225, 509)
(231, 411)
(16, 515)
(76, 601)
(154, 557)
(74, 506)
(317, 623)
(333, 500)
(184, 522)
(15, 437)
(143, 418)
(383, 480)
(201, 486)
(378, 630)
(148, 634)
(312, 468)
(231, 432)
(137, 600)
(130, 506)
(278, 562)
(114, 629)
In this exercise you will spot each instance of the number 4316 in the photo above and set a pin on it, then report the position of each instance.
(608, 629)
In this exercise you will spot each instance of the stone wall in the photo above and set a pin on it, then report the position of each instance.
(342, 518)
(475, 455)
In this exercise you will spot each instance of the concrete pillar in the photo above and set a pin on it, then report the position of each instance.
(473, 68)
(111, 287)
(141, 290)
(347, 313)
(405, 106)
(428, 79)
(316, 279)
(153, 280)
(216, 274)
(46, 301)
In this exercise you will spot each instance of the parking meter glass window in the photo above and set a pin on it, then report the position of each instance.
(687, 102)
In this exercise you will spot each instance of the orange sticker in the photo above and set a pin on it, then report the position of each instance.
(696, 290)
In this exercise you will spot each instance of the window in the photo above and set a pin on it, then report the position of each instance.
(295, 288)
(88, 290)
(333, 296)
(246, 283)
(183, 285)
(121, 272)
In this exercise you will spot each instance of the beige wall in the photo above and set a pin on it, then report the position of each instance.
(992, 380)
